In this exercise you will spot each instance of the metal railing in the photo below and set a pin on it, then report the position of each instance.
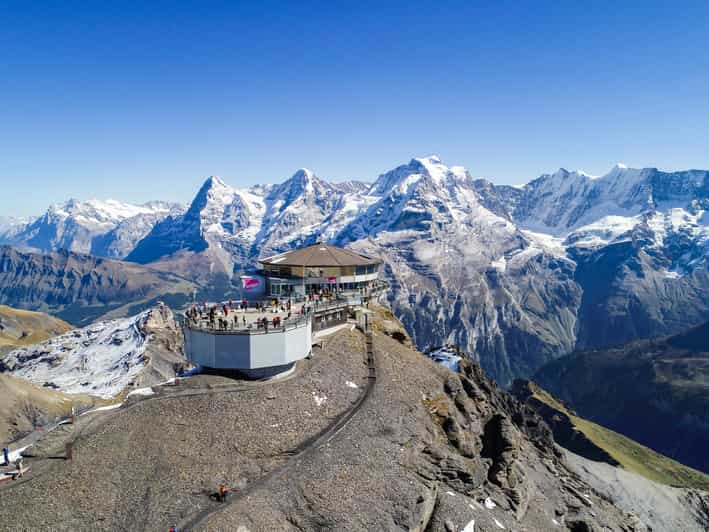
(264, 327)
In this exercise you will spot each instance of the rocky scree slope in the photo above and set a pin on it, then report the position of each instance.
(666, 381)
(25, 406)
(435, 450)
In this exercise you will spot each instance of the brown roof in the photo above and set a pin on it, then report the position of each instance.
(320, 255)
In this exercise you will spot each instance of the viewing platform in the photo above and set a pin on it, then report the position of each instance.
(258, 343)
(296, 294)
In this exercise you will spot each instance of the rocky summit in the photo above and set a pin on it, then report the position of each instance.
(404, 444)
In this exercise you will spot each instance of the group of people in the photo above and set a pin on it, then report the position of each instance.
(276, 321)
(226, 317)
(216, 320)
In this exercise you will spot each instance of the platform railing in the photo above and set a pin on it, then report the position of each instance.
(205, 325)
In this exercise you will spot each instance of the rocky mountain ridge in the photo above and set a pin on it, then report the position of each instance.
(78, 288)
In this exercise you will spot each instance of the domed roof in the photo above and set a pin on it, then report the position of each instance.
(320, 255)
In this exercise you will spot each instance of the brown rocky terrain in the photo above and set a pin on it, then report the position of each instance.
(25, 406)
(424, 449)
(79, 288)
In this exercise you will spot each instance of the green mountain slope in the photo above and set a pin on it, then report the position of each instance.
(596, 442)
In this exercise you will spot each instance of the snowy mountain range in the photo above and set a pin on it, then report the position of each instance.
(515, 276)
(103, 228)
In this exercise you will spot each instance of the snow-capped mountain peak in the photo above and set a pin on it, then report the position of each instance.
(403, 179)
(95, 211)
(490, 267)
(102, 227)
(303, 175)
(213, 189)
(302, 182)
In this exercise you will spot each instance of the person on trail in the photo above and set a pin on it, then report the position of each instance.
(173, 528)
(223, 492)
(19, 464)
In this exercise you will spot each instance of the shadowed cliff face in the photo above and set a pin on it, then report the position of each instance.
(627, 295)
(655, 392)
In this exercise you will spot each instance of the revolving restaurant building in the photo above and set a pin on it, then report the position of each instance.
(318, 269)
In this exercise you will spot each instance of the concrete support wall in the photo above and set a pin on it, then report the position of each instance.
(248, 351)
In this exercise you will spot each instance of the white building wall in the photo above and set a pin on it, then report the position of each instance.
(248, 351)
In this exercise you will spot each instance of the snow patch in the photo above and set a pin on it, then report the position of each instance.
(447, 356)
(103, 408)
(499, 264)
(319, 399)
(101, 359)
(142, 392)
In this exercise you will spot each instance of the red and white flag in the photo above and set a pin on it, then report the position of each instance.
(250, 283)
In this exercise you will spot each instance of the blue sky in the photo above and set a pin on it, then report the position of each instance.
(140, 102)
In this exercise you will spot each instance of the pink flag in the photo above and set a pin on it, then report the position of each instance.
(249, 283)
